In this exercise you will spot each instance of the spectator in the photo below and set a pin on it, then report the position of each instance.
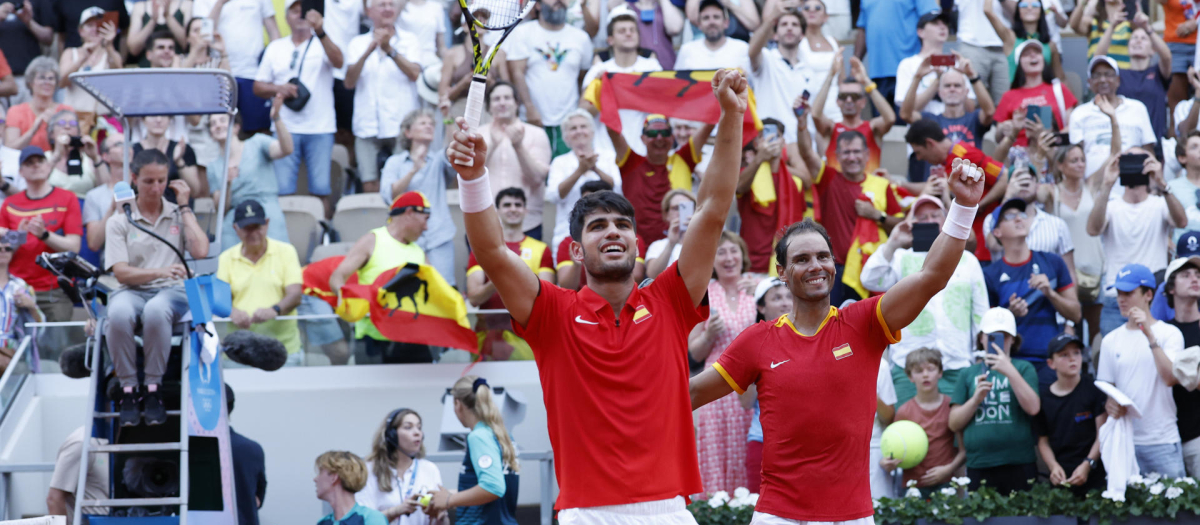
(150, 275)
(67, 13)
(264, 275)
(382, 70)
(60, 501)
(1028, 24)
(239, 22)
(665, 251)
(1180, 36)
(838, 190)
(933, 29)
(1132, 228)
(519, 153)
(380, 250)
(249, 469)
(1036, 286)
(722, 425)
(768, 196)
(148, 18)
(1105, 21)
(779, 74)
(457, 71)
(930, 408)
(1092, 124)
(571, 170)
(568, 272)
(1145, 82)
(1185, 188)
(21, 41)
(1034, 85)
(852, 99)
(416, 167)
(313, 123)
(993, 405)
(624, 41)
(183, 157)
(549, 55)
(893, 36)
(339, 476)
(19, 306)
(343, 22)
(745, 19)
(250, 175)
(427, 21)
(958, 124)
(98, 204)
(978, 42)
(1068, 425)
(50, 218)
(488, 482)
(160, 51)
(200, 51)
(1182, 291)
(951, 327)
(1046, 232)
(498, 340)
(657, 23)
(818, 47)
(1187, 112)
(1071, 199)
(75, 158)
(716, 50)
(26, 122)
(772, 299)
(1137, 359)
(396, 475)
(97, 53)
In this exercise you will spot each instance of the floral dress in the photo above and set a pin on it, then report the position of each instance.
(722, 425)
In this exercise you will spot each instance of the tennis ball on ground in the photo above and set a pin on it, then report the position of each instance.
(906, 441)
(424, 501)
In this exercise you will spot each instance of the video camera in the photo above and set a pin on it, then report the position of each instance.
(76, 277)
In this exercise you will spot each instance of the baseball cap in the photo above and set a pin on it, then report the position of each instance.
(249, 212)
(1133, 276)
(1021, 48)
(656, 117)
(1102, 58)
(927, 198)
(929, 17)
(1179, 263)
(1060, 342)
(412, 199)
(998, 320)
(1010, 204)
(90, 13)
(765, 286)
(31, 151)
(706, 3)
(1188, 245)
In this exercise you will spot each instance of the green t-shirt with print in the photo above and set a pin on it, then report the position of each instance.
(1000, 433)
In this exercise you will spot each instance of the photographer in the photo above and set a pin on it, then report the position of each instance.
(75, 158)
(151, 275)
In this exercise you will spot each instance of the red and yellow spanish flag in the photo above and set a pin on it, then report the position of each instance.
(681, 94)
(868, 235)
(407, 304)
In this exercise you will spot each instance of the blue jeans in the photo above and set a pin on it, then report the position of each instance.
(1182, 56)
(317, 152)
(1110, 316)
(1163, 459)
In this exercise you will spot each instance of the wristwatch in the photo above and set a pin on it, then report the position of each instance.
(392, 54)
(882, 220)
(973, 80)
(320, 35)
(278, 310)
(1091, 463)
(45, 235)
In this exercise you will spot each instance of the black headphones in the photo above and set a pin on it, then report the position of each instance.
(389, 432)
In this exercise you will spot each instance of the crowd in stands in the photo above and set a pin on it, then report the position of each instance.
(1084, 262)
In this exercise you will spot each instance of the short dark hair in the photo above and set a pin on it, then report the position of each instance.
(593, 186)
(487, 95)
(849, 135)
(1169, 284)
(623, 17)
(513, 192)
(229, 398)
(609, 201)
(1181, 145)
(804, 226)
(162, 34)
(147, 157)
(794, 13)
(778, 125)
(921, 131)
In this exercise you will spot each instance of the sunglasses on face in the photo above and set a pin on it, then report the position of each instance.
(813, 7)
(1015, 215)
(850, 96)
(653, 133)
(68, 123)
(8, 249)
(1034, 3)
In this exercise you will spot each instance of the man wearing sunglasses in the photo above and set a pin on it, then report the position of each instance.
(852, 100)
(645, 180)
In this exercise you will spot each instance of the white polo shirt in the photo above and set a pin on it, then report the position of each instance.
(316, 73)
(776, 85)
(383, 94)
(241, 27)
(696, 55)
(1094, 128)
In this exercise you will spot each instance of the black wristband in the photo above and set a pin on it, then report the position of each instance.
(45, 235)
(278, 310)
(98, 163)
(973, 80)
(320, 35)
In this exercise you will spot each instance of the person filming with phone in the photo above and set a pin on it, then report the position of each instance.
(1092, 122)
(953, 310)
(1132, 226)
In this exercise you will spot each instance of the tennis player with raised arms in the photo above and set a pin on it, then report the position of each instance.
(612, 357)
(815, 369)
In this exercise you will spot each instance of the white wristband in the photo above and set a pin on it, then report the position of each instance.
(475, 196)
(959, 220)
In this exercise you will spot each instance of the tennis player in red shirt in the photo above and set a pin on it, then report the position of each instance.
(612, 357)
(815, 369)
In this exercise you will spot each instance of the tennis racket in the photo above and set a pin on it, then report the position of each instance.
(488, 15)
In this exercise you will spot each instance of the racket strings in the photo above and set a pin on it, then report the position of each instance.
(496, 13)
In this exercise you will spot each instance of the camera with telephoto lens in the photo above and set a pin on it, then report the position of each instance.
(67, 264)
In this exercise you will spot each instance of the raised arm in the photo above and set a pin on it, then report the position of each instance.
(810, 158)
(1007, 37)
(1082, 17)
(887, 116)
(760, 38)
(983, 98)
(716, 192)
(518, 287)
(914, 100)
(824, 125)
(902, 304)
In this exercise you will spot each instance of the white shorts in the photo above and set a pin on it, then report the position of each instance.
(761, 518)
(663, 512)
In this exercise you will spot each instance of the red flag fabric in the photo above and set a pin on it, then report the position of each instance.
(681, 94)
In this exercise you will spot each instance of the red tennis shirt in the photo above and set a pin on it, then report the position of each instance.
(616, 391)
(817, 399)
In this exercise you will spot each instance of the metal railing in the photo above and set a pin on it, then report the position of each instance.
(14, 376)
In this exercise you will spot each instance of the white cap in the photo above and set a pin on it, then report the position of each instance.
(1102, 58)
(765, 286)
(622, 9)
(1021, 48)
(1178, 263)
(998, 320)
(90, 13)
(427, 83)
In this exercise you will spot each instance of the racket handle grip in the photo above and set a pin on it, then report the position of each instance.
(474, 109)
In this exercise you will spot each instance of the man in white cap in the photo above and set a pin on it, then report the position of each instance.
(950, 322)
(1093, 122)
(1182, 288)
(993, 406)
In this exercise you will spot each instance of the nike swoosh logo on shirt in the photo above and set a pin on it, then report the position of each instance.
(774, 364)
(579, 319)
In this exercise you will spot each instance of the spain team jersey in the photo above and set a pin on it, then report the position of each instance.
(616, 391)
(816, 453)
(536, 255)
